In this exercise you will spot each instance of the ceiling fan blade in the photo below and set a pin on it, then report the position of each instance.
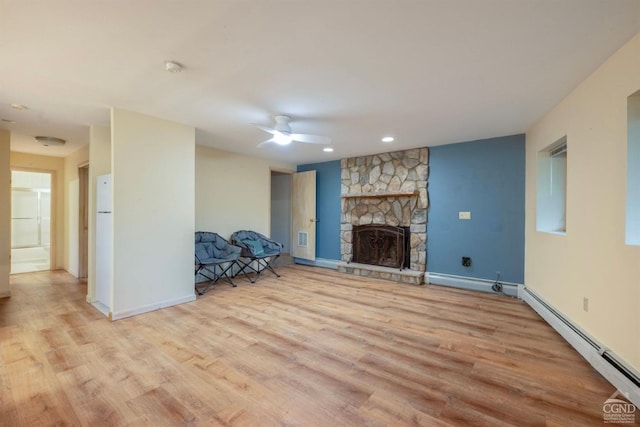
(263, 143)
(310, 139)
(266, 129)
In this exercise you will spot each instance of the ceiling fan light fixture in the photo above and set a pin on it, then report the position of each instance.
(282, 124)
(49, 140)
(281, 134)
(281, 138)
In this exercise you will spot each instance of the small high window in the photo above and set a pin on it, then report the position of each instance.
(632, 230)
(551, 215)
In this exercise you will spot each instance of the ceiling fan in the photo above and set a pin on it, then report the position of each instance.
(282, 134)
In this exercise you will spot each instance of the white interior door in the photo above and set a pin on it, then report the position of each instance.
(303, 215)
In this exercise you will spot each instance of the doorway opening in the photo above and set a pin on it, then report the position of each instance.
(30, 221)
(281, 214)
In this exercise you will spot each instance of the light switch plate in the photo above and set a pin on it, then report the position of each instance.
(464, 215)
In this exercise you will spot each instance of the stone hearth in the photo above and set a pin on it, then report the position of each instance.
(386, 189)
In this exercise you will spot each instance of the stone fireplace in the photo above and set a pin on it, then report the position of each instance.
(390, 190)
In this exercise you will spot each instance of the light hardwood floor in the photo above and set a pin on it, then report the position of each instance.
(313, 348)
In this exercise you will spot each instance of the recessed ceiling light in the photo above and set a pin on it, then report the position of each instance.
(387, 139)
(8, 120)
(327, 149)
(172, 66)
(19, 107)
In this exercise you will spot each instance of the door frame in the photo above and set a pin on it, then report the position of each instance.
(282, 172)
(83, 221)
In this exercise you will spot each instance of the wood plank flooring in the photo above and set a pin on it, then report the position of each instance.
(313, 348)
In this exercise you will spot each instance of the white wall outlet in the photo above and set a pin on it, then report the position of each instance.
(464, 215)
(585, 304)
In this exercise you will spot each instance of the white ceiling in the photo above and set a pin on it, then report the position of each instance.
(428, 72)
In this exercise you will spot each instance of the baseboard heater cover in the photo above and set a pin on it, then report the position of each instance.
(471, 283)
(611, 367)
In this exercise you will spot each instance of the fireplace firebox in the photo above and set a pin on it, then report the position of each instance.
(383, 245)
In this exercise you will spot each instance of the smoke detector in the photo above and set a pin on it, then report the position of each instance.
(50, 140)
(172, 67)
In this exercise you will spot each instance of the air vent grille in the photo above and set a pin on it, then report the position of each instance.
(303, 239)
(559, 150)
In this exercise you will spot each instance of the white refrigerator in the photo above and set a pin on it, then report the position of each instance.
(103, 241)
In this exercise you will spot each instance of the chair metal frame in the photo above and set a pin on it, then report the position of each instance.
(263, 263)
(217, 269)
(209, 270)
(247, 256)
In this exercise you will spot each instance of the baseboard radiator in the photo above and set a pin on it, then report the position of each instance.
(471, 283)
(615, 370)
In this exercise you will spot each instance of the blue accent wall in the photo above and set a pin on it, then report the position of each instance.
(327, 208)
(487, 178)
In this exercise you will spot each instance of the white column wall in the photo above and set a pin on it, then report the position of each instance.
(5, 212)
(153, 212)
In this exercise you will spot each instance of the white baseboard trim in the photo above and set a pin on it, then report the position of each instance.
(101, 308)
(319, 262)
(152, 307)
(471, 283)
(592, 351)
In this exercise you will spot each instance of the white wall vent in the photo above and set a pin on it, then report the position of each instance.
(559, 150)
(303, 239)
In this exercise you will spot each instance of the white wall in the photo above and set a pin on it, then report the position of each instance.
(99, 164)
(72, 207)
(153, 212)
(233, 192)
(592, 260)
(5, 212)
